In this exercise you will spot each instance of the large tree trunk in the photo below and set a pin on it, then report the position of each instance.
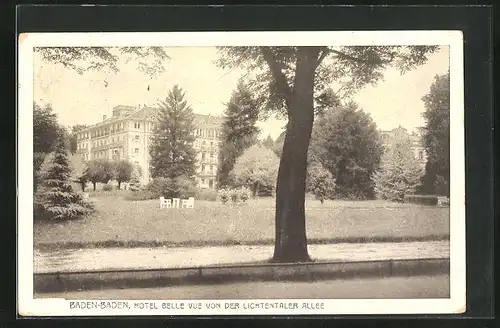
(291, 240)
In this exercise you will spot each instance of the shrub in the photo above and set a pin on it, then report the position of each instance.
(234, 194)
(159, 187)
(107, 187)
(444, 201)
(223, 195)
(206, 194)
(140, 195)
(180, 187)
(184, 187)
(320, 182)
(244, 194)
(421, 199)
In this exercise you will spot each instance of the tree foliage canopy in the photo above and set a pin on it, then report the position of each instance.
(436, 136)
(151, 60)
(346, 142)
(400, 172)
(238, 131)
(256, 167)
(351, 68)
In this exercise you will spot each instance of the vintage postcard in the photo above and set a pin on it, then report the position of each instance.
(241, 173)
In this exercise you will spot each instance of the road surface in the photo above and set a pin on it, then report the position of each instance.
(394, 287)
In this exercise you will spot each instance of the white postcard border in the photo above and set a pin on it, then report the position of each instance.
(29, 306)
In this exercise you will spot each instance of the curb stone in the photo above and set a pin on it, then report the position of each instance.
(311, 271)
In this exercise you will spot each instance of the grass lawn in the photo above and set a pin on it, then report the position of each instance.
(118, 222)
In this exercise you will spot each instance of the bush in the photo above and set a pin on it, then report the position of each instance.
(320, 182)
(180, 187)
(107, 187)
(236, 195)
(421, 199)
(159, 187)
(244, 194)
(206, 194)
(224, 195)
(140, 195)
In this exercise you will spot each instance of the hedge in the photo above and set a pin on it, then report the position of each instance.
(421, 199)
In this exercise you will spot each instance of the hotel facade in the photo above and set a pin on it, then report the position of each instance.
(417, 145)
(127, 135)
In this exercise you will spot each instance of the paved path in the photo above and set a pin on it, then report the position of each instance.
(78, 260)
(372, 288)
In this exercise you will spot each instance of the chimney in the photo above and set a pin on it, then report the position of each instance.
(104, 117)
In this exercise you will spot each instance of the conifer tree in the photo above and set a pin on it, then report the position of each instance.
(268, 142)
(238, 131)
(56, 199)
(135, 178)
(172, 152)
(400, 172)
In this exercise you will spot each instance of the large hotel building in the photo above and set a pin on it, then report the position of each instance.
(127, 135)
(417, 146)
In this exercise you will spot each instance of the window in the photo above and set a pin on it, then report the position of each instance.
(211, 143)
(211, 155)
(203, 168)
(137, 150)
(202, 156)
(420, 155)
(211, 168)
(136, 138)
(202, 181)
(203, 142)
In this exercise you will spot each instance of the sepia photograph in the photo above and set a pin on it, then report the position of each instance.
(241, 173)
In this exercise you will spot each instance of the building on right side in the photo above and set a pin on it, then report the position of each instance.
(417, 145)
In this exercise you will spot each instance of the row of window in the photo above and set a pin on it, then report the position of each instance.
(208, 169)
(203, 143)
(207, 133)
(204, 155)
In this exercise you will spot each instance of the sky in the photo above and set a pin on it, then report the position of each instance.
(84, 99)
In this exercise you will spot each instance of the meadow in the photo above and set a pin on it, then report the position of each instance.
(120, 222)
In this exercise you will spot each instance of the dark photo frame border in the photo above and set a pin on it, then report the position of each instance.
(475, 22)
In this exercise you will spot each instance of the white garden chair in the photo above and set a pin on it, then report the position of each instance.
(188, 203)
(176, 202)
(165, 202)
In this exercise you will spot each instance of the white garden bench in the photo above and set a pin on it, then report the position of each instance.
(176, 202)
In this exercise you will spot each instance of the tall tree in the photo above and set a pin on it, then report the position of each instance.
(346, 142)
(291, 78)
(56, 196)
(400, 172)
(257, 167)
(238, 130)
(436, 136)
(172, 152)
